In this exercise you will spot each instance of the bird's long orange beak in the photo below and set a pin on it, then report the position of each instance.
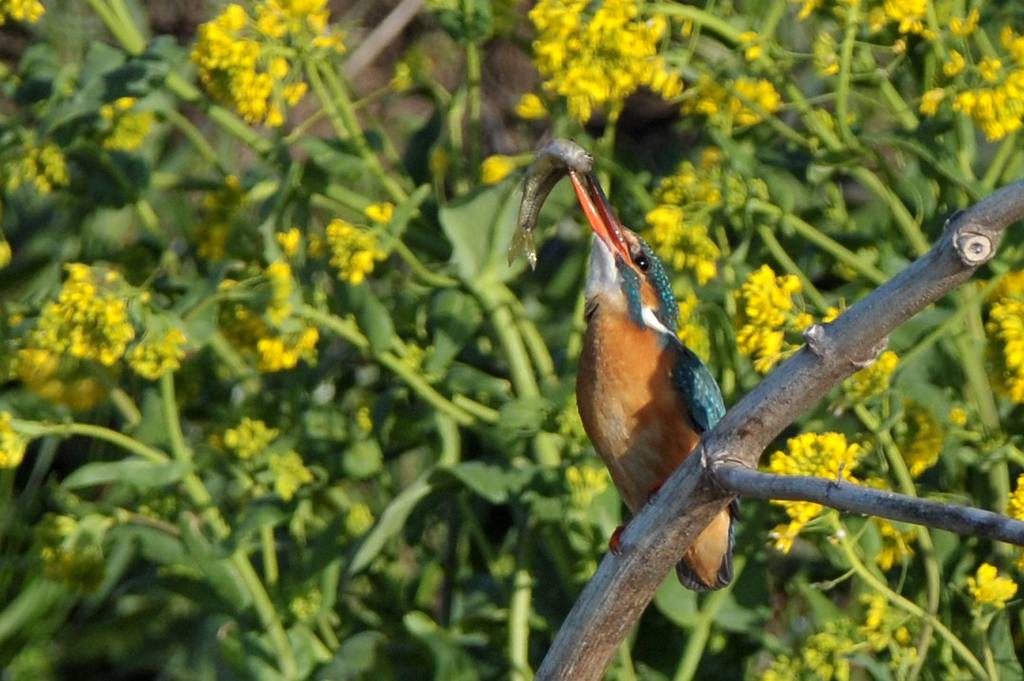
(595, 206)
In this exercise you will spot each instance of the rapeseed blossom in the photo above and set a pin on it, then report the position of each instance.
(381, 213)
(42, 166)
(496, 168)
(274, 349)
(824, 656)
(5, 253)
(155, 356)
(70, 554)
(872, 380)
(290, 474)
(289, 241)
(358, 519)
(688, 326)
(21, 10)
(238, 55)
(921, 438)
(766, 310)
(12, 443)
(353, 251)
(531, 108)
(884, 629)
(249, 438)
(585, 483)
(128, 129)
(822, 455)
(596, 55)
(742, 102)
(1005, 326)
(988, 588)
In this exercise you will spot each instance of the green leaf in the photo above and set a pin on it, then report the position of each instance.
(450, 660)
(520, 418)
(480, 228)
(332, 157)
(493, 483)
(356, 657)
(138, 474)
(154, 545)
(679, 605)
(390, 523)
(372, 316)
(363, 459)
(218, 571)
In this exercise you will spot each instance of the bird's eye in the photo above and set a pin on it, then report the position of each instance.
(642, 262)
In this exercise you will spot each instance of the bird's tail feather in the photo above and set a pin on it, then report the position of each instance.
(707, 564)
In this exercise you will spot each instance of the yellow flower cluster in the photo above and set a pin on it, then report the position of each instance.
(279, 274)
(1005, 325)
(766, 310)
(909, 15)
(824, 656)
(895, 541)
(884, 629)
(42, 166)
(21, 10)
(278, 353)
(381, 213)
(822, 455)
(289, 241)
(585, 483)
(12, 443)
(290, 474)
(680, 223)
(689, 329)
(531, 108)
(988, 588)
(596, 57)
(153, 357)
(353, 251)
(249, 438)
(922, 438)
(744, 101)
(89, 319)
(996, 103)
(70, 554)
(358, 519)
(128, 129)
(238, 55)
(872, 380)
(5, 253)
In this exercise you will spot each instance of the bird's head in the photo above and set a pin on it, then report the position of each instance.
(624, 272)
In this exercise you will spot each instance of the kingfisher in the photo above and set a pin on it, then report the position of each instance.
(645, 399)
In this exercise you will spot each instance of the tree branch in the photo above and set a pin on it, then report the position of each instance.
(858, 499)
(655, 539)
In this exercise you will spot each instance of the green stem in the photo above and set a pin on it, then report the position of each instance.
(822, 241)
(340, 96)
(473, 78)
(904, 220)
(349, 330)
(905, 115)
(226, 120)
(325, 97)
(35, 429)
(269, 549)
(267, 614)
(627, 671)
(193, 135)
(903, 603)
(845, 64)
(999, 163)
(697, 641)
(519, 614)
(932, 567)
(780, 255)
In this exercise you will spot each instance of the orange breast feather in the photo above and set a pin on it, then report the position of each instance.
(638, 422)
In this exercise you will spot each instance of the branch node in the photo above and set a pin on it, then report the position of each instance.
(974, 247)
(872, 355)
(817, 341)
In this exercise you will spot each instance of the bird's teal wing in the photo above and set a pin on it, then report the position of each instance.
(698, 387)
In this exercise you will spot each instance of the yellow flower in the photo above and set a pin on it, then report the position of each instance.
(12, 443)
(380, 213)
(1005, 326)
(358, 519)
(5, 253)
(743, 101)
(249, 438)
(363, 419)
(753, 47)
(585, 483)
(21, 10)
(596, 57)
(289, 241)
(989, 69)
(958, 417)
(962, 27)
(998, 106)
(909, 14)
(822, 455)
(921, 441)
(278, 353)
(154, 357)
(682, 243)
(42, 166)
(402, 80)
(70, 553)
(689, 329)
(955, 65)
(127, 130)
(873, 380)
(531, 108)
(290, 474)
(766, 309)
(497, 168)
(931, 100)
(823, 656)
(826, 54)
(988, 588)
(353, 251)
(279, 273)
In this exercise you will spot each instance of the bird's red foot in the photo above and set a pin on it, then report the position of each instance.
(614, 541)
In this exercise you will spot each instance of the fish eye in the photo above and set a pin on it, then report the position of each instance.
(642, 261)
